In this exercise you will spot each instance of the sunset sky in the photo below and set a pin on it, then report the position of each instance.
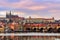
(34, 8)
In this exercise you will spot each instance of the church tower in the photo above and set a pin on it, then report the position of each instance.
(8, 15)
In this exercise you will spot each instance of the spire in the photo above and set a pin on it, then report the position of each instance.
(52, 17)
(10, 13)
(7, 14)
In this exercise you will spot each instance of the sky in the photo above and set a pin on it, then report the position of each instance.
(33, 8)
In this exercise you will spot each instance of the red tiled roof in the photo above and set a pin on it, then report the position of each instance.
(35, 25)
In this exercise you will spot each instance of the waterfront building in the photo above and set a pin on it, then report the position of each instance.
(39, 20)
(29, 24)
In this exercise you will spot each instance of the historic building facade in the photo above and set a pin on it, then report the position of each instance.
(39, 20)
(14, 22)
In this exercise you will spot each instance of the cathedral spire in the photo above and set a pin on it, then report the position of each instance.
(8, 14)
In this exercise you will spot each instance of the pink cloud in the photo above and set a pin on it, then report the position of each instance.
(39, 7)
(23, 4)
(55, 13)
(35, 16)
(27, 4)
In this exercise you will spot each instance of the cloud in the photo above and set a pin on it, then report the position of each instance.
(22, 14)
(28, 4)
(2, 13)
(35, 16)
(52, 0)
(12, 1)
(55, 13)
(19, 4)
(39, 7)
(25, 7)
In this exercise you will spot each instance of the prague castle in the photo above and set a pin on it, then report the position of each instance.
(16, 23)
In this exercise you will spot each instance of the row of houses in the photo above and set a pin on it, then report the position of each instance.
(16, 23)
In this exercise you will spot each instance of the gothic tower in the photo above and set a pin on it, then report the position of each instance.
(8, 15)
